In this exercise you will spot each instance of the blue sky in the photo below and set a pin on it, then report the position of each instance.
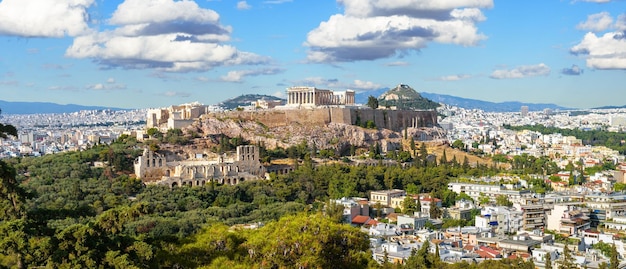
(156, 53)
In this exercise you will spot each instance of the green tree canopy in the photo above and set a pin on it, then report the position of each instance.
(372, 102)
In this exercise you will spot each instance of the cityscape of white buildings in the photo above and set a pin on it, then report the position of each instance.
(40, 134)
(485, 132)
(591, 213)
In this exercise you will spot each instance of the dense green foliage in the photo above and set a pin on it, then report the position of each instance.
(61, 211)
(612, 140)
(406, 97)
(372, 102)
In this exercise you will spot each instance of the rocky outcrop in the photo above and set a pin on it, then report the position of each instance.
(335, 136)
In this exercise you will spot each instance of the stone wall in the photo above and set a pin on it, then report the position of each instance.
(395, 120)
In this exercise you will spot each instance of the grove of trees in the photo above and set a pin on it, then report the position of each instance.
(61, 211)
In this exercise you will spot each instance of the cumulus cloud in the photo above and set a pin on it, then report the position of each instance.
(238, 75)
(398, 63)
(573, 71)
(176, 94)
(374, 29)
(620, 23)
(336, 84)
(596, 22)
(277, 2)
(63, 88)
(522, 72)
(44, 18)
(279, 94)
(243, 5)
(607, 51)
(109, 85)
(202, 79)
(167, 35)
(454, 77)
(360, 85)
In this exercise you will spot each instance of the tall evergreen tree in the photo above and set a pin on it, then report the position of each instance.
(372, 102)
(568, 260)
(444, 159)
(13, 233)
(409, 206)
(548, 261)
(614, 259)
(423, 154)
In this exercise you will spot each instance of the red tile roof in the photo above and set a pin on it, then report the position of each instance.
(359, 219)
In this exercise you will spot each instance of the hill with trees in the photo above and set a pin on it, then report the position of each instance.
(245, 100)
(405, 97)
(63, 211)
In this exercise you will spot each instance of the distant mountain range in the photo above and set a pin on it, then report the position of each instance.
(45, 107)
(244, 100)
(609, 107)
(466, 103)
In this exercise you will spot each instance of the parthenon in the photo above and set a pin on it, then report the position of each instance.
(311, 96)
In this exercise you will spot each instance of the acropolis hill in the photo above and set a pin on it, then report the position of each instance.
(322, 118)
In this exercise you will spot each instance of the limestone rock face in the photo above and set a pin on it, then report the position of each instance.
(335, 136)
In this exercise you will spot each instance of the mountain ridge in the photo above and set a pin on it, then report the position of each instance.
(467, 103)
(9, 107)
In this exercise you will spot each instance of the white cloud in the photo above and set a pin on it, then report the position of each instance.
(319, 82)
(454, 77)
(167, 35)
(398, 63)
(279, 94)
(335, 84)
(157, 11)
(620, 23)
(109, 86)
(202, 79)
(44, 18)
(603, 52)
(176, 94)
(522, 72)
(277, 2)
(96, 87)
(111, 80)
(374, 29)
(596, 22)
(243, 5)
(63, 88)
(364, 85)
(238, 75)
(575, 70)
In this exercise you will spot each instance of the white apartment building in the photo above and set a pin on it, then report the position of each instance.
(384, 197)
(353, 207)
(475, 191)
(569, 218)
(500, 219)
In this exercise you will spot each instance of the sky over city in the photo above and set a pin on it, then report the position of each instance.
(157, 53)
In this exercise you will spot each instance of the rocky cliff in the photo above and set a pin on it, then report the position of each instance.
(324, 134)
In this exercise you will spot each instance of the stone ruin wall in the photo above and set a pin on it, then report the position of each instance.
(395, 120)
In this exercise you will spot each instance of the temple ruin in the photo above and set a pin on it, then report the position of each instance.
(154, 168)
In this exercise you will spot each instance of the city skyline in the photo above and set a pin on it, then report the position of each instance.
(154, 53)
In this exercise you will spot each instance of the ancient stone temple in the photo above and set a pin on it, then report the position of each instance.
(154, 168)
(311, 96)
